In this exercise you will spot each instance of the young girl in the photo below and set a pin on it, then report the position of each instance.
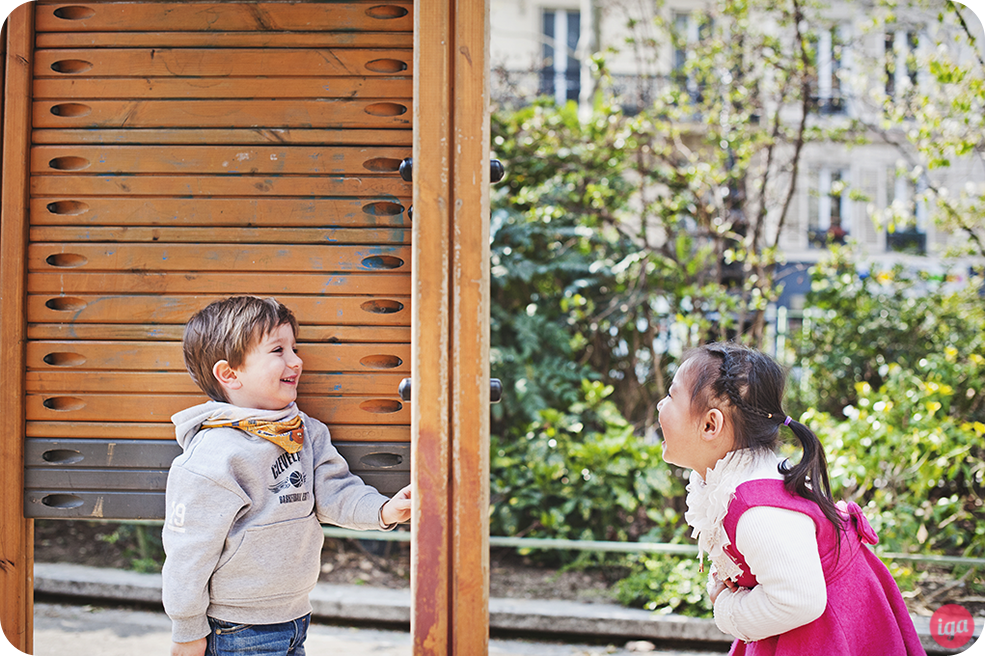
(790, 575)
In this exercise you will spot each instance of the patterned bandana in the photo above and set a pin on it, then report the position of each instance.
(287, 433)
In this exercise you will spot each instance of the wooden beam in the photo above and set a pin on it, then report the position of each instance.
(16, 532)
(450, 330)
(470, 330)
(430, 466)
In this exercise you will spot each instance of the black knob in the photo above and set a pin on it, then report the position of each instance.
(407, 169)
(410, 212)
(496, 170)
(495, 390)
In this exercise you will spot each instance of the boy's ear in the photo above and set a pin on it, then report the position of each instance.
(226, 375)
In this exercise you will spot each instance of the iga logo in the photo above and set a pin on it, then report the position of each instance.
(952, 626)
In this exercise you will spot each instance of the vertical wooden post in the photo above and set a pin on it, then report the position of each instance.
(470, 329)
(450, 329)
(16, 533)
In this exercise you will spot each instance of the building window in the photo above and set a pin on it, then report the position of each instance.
(900, 61)
(829, 57)
(689, 29)
(828, 208)
(906, 221)
(560, 75)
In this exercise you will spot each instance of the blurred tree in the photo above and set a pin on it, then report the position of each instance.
(931, 107)
(640, 233)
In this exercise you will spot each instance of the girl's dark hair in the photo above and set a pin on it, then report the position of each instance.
(750, 385)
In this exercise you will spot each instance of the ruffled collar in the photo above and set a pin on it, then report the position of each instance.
(708, 500)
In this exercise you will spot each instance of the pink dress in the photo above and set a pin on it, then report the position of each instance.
(865, 615)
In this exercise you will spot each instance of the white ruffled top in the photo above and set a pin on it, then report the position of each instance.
(708, 499)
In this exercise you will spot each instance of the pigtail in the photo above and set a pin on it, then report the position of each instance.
(809, 477)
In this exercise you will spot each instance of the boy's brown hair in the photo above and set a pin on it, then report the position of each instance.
(227, 330)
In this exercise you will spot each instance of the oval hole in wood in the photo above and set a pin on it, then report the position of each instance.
(65, 304)
(383, 208)
(69, 163)
(380, 460)
(64, 359)
(74, 12)
(385, 109)
(386, 12)
(71, 66)
(62, 456)
(381, 362)
(62, 501)
(382, 306)
(382, 165)
(388, 66)
(381, 406)
(67, 260)
(64, 403)
(68, 207)
(70, 109)
(382, 262)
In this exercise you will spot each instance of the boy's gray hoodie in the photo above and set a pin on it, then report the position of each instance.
(242, 532)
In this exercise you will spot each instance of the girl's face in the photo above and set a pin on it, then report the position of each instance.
(681, 427)
(695, 438)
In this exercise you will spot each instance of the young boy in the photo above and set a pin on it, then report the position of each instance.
(245, 499)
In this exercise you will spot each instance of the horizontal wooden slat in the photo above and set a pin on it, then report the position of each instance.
(82, 453)
(123, 505)
(227, 16)
(88, 88)
(65, 455)
(160, 407)
(70, 503)
(258, 284)
(223, 62)
(381, 211)
(204, 235)
(73, 186)
(217, 257)
(179, 382)
(303, 114)
(228, 160)
(167, 356)
(110, 480)
(361, 311)
(165, 431)
(250, 135)
(173, 332)
(152, 39)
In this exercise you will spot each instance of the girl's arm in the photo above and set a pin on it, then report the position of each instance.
(780, 548)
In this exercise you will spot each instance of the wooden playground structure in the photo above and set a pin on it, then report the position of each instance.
(157, 155)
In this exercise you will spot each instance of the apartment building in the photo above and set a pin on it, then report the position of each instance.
(544, 47)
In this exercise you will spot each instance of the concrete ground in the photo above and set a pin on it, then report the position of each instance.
(61, 630)
(564, 628)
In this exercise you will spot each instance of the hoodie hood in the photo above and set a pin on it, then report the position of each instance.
(189, 421)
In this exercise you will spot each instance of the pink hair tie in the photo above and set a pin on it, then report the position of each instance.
(786, 422)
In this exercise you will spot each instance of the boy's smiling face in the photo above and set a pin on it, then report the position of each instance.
(268, 377)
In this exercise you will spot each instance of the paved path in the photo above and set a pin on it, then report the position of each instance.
(60, 630)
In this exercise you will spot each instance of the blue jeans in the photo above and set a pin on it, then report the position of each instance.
(286, 639)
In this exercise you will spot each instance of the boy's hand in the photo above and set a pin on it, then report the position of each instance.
(194, 648)
(397, 509)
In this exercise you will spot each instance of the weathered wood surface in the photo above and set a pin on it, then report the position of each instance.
(183, 152)
(258, 17)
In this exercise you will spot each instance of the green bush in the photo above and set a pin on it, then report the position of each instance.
(666, 584)
(582, 474)
(914, 465)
